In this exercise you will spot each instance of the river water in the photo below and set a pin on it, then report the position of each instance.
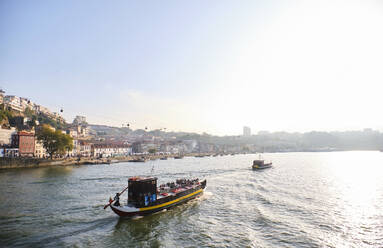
(305, 200)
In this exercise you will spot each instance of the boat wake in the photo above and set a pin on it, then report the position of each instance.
(137, 217)
(206, 195)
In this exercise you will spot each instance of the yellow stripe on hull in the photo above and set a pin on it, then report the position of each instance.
(171, 202)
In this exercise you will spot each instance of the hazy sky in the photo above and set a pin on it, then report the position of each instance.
(211, 66)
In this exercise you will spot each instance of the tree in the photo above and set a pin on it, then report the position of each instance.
(5, 114)
(67, 142)
(55, 142)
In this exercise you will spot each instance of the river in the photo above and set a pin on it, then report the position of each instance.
(306, 200)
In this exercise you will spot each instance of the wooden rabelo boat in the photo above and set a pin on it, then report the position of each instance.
(144, 197)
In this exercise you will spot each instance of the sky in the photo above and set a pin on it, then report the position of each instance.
(199, 66)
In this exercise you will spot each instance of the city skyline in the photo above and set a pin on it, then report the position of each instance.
(203, 67)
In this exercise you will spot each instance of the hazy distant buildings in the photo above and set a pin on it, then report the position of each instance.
(246, 131)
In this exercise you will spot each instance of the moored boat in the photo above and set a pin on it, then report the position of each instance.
(144, 197)
(138, 160)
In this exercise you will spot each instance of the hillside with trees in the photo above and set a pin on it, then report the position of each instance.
(10, 118)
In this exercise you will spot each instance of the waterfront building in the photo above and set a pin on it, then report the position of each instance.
(246, 131)
(76, 151)
(9, 152)
(85, 148)
(6, 135)
(137, 147)
(40, 151)
(106, 150)
(25, 142)
(164, 148)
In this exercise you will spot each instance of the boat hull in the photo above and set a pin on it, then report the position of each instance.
(266, 166)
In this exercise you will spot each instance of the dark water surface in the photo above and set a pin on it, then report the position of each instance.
(305, 200)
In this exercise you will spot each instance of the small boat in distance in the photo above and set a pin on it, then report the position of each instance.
(179, 157)
(144, 197)
(163, 158)
(138, 160)
(259, 164)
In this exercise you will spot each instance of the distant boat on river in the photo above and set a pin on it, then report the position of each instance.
(259, 164)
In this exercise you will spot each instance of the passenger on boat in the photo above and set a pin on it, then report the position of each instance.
(117, 200)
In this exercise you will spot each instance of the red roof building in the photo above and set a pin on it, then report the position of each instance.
(25, 141)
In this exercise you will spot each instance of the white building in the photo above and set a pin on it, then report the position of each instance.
(10, 152)
(85, 148)
(76, 148)
(111, 150)
(6, 135)
(40, 151)
(84, 131)
(26, 103)
(72, 133)
(13, 102)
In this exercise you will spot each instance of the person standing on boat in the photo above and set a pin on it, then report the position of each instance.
(117, 199)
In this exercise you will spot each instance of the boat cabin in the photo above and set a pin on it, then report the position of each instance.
(142, 191)
(258, 162)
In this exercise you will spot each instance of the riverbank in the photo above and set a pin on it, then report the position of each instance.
(13, 163)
